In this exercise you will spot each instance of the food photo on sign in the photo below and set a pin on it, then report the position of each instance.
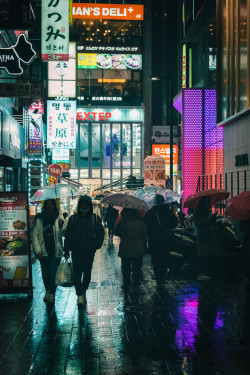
(154, 171)
(14, 241)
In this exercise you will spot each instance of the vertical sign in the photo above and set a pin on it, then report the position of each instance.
(154, 171)
(55, 30)
(184, 66)
(61, 124)
(15, 265)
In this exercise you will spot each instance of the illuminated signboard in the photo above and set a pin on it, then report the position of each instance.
(11, 57)
(111, 114)
(55, 30)
(108, 11)
(61, 120)
(164, 151)
(109, 61)
(120, 49)
(62, 76)
(60, 155)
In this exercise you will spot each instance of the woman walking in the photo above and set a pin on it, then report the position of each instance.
(84, 235)
(133, 234)
(47, 245)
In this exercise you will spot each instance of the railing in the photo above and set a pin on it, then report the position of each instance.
(235, 182)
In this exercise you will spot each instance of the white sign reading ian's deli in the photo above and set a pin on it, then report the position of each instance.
(61, 124)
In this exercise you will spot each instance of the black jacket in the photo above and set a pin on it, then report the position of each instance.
(84, 235)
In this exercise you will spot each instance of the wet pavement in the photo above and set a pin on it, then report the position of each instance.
(188, 327)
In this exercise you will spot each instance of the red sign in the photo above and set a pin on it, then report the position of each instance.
(55, 169)
(93, 116)
(164, 151)
(108, 11)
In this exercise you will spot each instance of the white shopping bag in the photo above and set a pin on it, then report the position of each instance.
(64, 273)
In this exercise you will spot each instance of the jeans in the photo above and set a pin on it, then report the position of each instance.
(82, 272)
(131, 263)
(49, 266)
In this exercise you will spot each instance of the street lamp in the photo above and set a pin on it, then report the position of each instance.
(171, 135)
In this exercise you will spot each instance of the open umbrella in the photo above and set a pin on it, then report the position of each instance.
(238, 207)
(53, 192)
(215, 196)
(125, 201)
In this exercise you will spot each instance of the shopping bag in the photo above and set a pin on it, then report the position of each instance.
(64, 274)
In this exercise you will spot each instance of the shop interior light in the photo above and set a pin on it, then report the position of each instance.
(107, 80)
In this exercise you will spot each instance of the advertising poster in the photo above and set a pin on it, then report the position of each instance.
(154, 171)
(15, 264)
(109, 61)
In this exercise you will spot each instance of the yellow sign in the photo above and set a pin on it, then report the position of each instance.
(87, 61)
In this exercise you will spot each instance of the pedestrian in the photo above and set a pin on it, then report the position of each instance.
(111, 217)
(84, 235)
(207, 244)
(65, 215)
(245, 229)
(133, 234)
(47, 245)
(160, 221)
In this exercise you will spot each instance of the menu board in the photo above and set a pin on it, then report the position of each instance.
(15, 259)
(109, 61)
(154, 171)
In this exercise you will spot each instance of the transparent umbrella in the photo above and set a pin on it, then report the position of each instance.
(54, 191)
(122, 200)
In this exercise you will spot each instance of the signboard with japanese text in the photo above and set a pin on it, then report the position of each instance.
(109, 49)
(61, 124)
(154, 171)
(15, 258)
(108, 11)
(109, 61)
(55, 30)
(56, 169)
(14, 20)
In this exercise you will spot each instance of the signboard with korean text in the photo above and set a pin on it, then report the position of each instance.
(154, 171)
(108, 11)
(109, 61)
(61, 124)
(164, 151)
(15, 257)
(55, 30)
(56, 169)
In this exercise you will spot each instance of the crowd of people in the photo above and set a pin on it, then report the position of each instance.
(83, 235)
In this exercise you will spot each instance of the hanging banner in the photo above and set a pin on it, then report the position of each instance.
(154, 171)
(15, 254)
(55, 30)
(61, 124)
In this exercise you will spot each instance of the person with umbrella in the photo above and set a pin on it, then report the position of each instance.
(84, 235)
(47, 244)
(133, 234)
(160, 221)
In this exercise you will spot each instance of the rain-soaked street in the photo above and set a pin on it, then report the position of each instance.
(189, 327)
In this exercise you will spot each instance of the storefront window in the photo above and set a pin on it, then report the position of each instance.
(116, 174)
(84, 173)
(84, 145)
(96, 173)
(106, 173)
(137, 145)
(96, 146)
(106, 149)
(116, 145)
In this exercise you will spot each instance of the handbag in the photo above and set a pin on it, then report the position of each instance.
(65, 274)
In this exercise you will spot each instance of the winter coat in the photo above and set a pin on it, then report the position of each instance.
(133, 235)
(111, 217)
(207, 243)
(158, 245)
(84, 235)
(38, 242)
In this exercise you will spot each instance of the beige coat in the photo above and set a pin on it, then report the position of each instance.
(38, 239)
